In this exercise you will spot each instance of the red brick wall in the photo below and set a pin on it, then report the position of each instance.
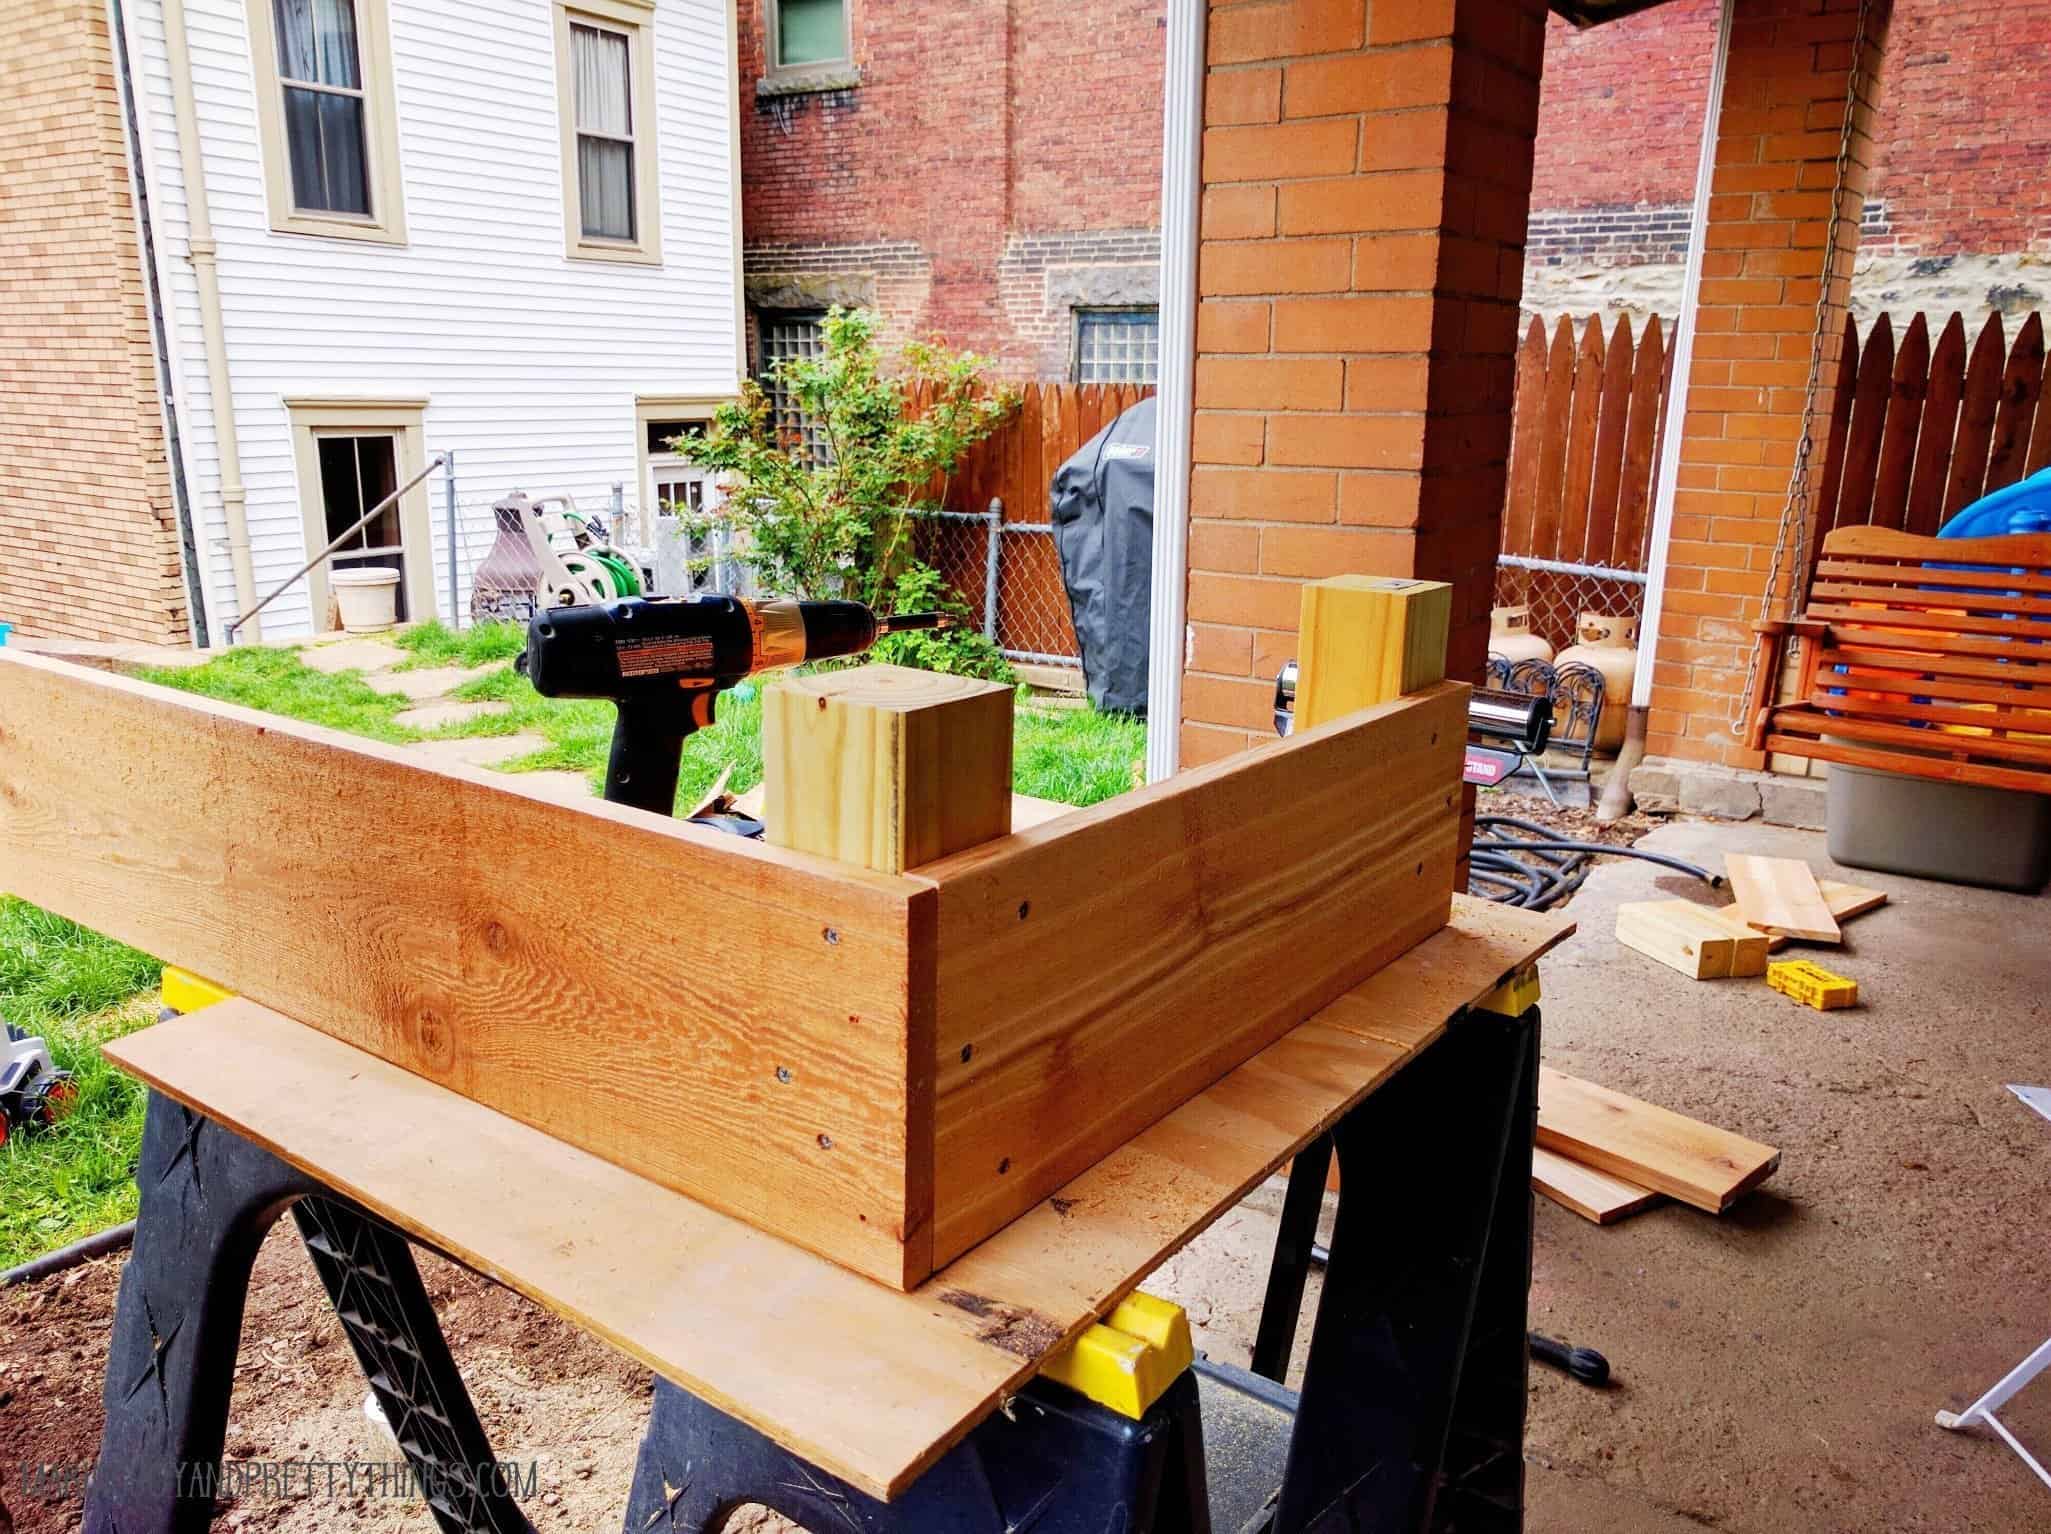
(1963, 131)
(1366, 172)
(1765, 272)
(88, 547)
(987, 141)
(1638, 81)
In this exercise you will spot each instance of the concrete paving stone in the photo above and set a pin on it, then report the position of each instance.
(429, 682)
(432, 716)
(1800, 802)
(1725, 795)
(1656, 787)
(478, 750)
(352, 655)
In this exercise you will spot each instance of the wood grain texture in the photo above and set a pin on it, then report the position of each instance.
(1779, 895)
(418, 913)
(1097, 970)
(1849, 900)
(1698, 941)
(1697, 1163)
(1750, 945)
(1591, 1194)
(885, 767)
(868, 1383)
(1364, 639)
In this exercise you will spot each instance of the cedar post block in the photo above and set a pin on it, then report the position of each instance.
(1368, 639)
(885, 766)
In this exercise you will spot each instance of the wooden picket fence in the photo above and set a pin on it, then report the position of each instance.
(1918, 431)
(1016, 465)
(1585, 444)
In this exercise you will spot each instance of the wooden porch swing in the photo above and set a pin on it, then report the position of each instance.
(1923, 656)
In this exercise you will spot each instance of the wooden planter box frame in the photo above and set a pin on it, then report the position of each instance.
(883, 1069)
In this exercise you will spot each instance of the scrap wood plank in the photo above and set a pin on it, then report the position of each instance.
(1591, 1194)
(866, 1382)
(1691, 939)
(1655, 1147)
(1750, 946)
(1845, 902)
(1780, 895)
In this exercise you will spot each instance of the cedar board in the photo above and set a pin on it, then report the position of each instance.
(866, 1382)
(1591, 1194)
(1780, 896)
(795, 1041)
(1668, 1152)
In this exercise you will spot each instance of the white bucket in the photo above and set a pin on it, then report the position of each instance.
(368, 598)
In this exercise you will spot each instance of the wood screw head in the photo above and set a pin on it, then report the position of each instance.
(826, 1142)
(830, 935)
(783, 1074)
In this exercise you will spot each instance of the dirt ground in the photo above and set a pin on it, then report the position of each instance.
(1777, 1369)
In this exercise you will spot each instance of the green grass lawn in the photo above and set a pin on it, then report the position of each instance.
(76, 989)
(79, 989)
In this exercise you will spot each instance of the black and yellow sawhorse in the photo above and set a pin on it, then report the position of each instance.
(1411, 1414)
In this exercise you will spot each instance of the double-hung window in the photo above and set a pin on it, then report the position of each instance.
(606, 98)
(326, 116)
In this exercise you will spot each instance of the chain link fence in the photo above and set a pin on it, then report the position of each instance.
(1007, 573)
(1010, 576)
(1558, 593)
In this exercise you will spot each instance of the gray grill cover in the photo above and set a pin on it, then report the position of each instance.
(1103, 506)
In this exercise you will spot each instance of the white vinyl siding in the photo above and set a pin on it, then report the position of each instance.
(531, 363)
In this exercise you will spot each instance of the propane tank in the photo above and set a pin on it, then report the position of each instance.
(1609, 645)
(1510, 636)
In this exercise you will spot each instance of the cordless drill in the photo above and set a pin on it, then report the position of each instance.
(664, 662)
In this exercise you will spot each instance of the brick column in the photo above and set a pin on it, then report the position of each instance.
(1367, 175)
(1763, 277)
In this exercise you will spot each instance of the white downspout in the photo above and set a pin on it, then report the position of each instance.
(1616, 793)
(1684, 357)
(207, 279)
(1181, 194)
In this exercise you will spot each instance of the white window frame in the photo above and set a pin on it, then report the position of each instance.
(649, 409)
(386, 222)
(635, 19)
(818, 75)
(403, 420)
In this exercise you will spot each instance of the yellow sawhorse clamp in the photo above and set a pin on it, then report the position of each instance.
(1513, 998)
(1812, 984)
(1129, 1359)
(186, 992)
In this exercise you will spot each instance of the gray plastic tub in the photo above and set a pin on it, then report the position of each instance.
(1963, 833)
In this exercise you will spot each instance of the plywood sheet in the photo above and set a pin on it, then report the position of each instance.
(1591, 1194)
(1654, 1147)
(869, 1383)
(1780, 895)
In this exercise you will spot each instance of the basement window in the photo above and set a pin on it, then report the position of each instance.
(788, 335)
(1118, 346)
